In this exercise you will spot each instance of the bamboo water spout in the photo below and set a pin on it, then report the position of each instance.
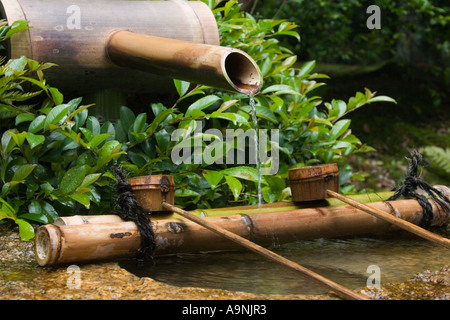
(217, 66)
(127, 45)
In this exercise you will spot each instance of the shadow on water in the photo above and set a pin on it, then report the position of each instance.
(343, 261)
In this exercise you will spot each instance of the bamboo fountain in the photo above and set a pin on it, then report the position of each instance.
(90, 238)
(138, 46)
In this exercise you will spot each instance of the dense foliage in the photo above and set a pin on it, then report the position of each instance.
(414, 35)
(56, 157)
(336, 31)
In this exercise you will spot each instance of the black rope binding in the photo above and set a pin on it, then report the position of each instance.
(129, 209)
(413, 183)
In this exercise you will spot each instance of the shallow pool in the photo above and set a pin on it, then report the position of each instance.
(344, 261)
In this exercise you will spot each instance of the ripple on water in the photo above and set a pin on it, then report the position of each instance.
(343, 261)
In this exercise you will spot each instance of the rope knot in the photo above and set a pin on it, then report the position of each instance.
(413, 183)
(129, 210)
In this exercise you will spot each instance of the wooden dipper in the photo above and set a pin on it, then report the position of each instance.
(318, 182)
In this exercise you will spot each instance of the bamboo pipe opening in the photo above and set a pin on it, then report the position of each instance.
(47, 245)
(212, 65)
(242, 72)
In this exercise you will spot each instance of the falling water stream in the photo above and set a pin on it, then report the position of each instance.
(256, 142)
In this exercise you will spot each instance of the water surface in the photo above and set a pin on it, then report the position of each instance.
(343, 261)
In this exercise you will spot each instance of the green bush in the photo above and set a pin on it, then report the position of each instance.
(56, 158)
(52, 152)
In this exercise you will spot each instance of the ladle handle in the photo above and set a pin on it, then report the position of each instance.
(408, 226)
(344, 292)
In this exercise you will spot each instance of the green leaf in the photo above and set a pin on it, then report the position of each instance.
(127, 118)
(18, 64)
(16, 27)
(381, 99)
(181, 86)
(35, 139)
(235, 186)
(88, 135)
(93, 126)
(307, 68)
(56, 96)
(47, 188)
(162, 139)
(110, 150)
(18, 138)
(77, 111)
(140, 122)
(6, 210)
(201, 104)
(288, 33)
(82, 198)
(26, 230)
(98, 139)
(22, 172)
(41, 218)
(337, 108)
(24, 117)
(72, 179)
(234, 117)
(159, 118)
(89, 179)
(37, 124)
(56, 114)
(185, 193)
(213, 177)
(266, 113)
(339, 128)
(36, 82)
(280, 89)
(8, 143)
(246, 173)
(265, 68)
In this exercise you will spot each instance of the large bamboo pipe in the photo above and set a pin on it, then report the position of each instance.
(83, 38)
(94, 241)
(216, 66)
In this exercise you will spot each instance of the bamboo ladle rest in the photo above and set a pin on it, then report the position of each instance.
(317, 182)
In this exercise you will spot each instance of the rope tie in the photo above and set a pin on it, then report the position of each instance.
(129, 210)
(413, 183)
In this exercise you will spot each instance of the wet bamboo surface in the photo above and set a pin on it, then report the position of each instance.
(108, 239)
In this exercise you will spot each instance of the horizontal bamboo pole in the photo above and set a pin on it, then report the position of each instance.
(89, 242)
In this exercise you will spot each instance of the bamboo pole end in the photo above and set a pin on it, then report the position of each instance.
(47, 245)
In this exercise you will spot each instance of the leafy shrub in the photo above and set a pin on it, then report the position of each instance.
(56, 157)
(51, 152)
